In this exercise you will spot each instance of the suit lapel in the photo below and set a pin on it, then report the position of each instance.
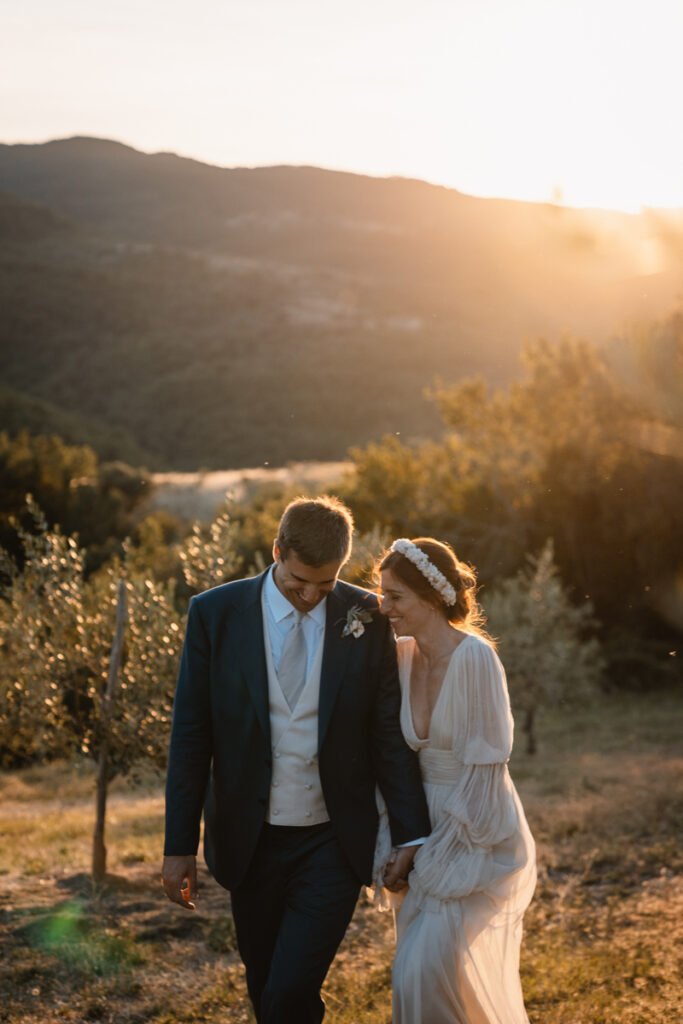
(249, 647)
(336, 651)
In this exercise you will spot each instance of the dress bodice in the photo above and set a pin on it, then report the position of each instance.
(471, 719)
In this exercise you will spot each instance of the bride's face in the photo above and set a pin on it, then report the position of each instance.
(407, 613)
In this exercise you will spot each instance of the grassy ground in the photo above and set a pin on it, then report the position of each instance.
(604, 798)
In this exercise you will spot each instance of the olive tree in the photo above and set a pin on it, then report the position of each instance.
(545, 645)
(61, 690)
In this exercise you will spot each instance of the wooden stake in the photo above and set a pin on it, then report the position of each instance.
(99, 850)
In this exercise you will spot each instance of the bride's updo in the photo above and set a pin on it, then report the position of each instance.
(465, 612)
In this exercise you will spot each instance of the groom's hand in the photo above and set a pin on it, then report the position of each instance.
(174, 872)
(398, 868)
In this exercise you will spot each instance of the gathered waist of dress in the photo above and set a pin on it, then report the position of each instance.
(439, 767)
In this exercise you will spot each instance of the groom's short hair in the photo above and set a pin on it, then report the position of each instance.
(318, 530)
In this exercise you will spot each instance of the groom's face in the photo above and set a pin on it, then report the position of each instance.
(303, 585)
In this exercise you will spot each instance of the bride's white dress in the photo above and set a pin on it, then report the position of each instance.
(459, 928)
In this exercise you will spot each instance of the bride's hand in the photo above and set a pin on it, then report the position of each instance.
(398, 867)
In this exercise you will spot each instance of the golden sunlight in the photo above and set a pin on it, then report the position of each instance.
(532, 100)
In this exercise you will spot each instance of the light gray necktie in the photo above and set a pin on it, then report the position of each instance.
(292, 669)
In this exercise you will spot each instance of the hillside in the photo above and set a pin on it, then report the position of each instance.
(234, 317)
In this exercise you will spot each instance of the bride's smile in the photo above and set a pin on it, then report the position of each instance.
(407, 613)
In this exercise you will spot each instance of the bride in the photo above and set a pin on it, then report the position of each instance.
(459, 928)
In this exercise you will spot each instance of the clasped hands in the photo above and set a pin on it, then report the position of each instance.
(398, 868)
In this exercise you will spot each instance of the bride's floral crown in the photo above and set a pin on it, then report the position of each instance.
(430, 572)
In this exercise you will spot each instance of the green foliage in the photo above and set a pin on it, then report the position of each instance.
(175, 353)
(139, 727)
(548, 657)
(154, 546)
(392, 483)
(46, 468)
(42, 644)
(570, 451)
(256, 522)
(448, 490)
(649, 362)
(20, 411)
(209, 557)
(367, 547)
(56, 629)
(95, 500)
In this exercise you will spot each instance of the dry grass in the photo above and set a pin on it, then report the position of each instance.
(604, 798)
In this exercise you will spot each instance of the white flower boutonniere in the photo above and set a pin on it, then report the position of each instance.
(356, 617)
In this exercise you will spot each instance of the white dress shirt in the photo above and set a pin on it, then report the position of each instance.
(281, 617)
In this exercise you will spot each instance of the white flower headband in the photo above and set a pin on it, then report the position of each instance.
(430, 572)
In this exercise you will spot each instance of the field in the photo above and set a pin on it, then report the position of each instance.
(200, 495)
(604, 798)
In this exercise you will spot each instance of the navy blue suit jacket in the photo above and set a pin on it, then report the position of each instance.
(220, 754)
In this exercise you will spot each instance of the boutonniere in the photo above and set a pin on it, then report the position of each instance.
(356, 617)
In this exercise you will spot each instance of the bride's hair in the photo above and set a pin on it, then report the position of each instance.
(466, 612)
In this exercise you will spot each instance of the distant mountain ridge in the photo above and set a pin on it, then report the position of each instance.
(224, 316)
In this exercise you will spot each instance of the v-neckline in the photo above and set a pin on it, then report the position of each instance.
(425, 739)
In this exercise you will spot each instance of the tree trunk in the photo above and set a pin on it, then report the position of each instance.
(99, 850)
(529, 719)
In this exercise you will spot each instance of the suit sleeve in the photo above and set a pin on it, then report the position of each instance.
(191, 741)
(396, 765)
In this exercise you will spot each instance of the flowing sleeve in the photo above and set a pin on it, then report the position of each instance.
(480, 712)
(479, 817)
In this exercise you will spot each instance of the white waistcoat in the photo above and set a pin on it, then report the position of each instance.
(296, 796)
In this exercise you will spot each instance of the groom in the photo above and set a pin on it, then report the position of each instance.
(286, 716)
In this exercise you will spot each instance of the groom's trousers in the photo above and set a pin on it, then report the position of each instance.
(291, 913)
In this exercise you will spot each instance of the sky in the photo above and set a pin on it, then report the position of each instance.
(575, 101)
